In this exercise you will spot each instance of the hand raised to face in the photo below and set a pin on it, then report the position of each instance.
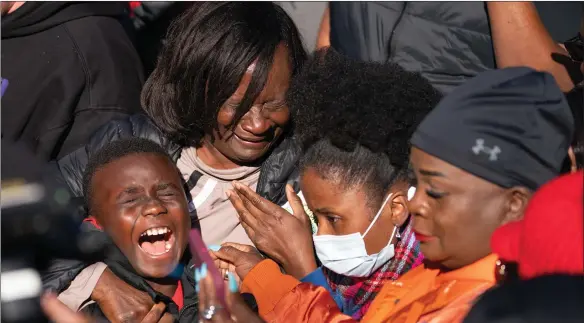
(284, 237)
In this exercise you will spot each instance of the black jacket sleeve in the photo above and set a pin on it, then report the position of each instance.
(60, 273)
(114, 77)
(279, 169)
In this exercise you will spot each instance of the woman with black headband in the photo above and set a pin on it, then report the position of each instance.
(478, 157)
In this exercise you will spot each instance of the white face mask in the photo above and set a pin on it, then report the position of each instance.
(346, 255)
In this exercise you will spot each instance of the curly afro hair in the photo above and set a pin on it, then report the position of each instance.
(354, 119)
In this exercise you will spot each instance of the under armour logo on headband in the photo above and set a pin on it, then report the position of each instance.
(480, 147)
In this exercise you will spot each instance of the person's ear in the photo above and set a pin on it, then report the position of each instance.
(93, 219)
(99, 225)
(518, 198)
(572, 157)
(399, 208)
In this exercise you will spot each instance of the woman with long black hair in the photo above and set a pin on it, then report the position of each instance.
(216, 103)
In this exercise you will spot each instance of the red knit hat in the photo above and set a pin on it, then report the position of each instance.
(550, 237)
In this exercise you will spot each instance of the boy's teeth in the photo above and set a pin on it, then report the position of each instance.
(155, 231)
(157, 246)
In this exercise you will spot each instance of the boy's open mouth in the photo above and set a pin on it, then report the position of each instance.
(156, 241)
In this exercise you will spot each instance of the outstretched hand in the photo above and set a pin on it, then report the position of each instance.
(236, 258)
(284, 237)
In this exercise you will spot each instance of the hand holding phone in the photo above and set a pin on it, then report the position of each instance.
(201, 256)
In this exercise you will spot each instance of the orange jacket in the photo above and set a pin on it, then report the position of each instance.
(420, 295)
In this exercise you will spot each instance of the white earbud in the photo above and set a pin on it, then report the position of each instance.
(411, 193)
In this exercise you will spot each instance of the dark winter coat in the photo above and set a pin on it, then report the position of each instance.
(71, 68)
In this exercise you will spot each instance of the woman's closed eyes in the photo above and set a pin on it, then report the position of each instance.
(273, 106)
(434, 194)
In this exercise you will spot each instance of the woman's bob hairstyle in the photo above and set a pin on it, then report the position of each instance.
(205, 55)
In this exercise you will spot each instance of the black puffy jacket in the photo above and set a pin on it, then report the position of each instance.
(277, 170)
(447, 42)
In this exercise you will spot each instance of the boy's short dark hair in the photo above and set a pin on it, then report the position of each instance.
(114, 151)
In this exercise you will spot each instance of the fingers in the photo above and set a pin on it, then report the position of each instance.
(254, 199)
(223, 273)
(244, 215)
(155, 313)
(251, 207)
(239, 246)
(239, 310)
(167, 318)
(200, 288)
(58, 312)
(238, 280)
(295, 203)
(207, 300)
(231, 268)
(221, 264)
(249, 230)
(229, 254)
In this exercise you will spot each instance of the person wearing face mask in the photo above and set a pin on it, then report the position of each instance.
(216, 103)
(478, 157)
(354, 180)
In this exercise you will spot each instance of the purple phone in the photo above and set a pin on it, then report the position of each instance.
(201, 255)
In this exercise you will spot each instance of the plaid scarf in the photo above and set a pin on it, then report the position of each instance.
(357, 293)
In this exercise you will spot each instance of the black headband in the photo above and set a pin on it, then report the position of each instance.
(511, 127)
